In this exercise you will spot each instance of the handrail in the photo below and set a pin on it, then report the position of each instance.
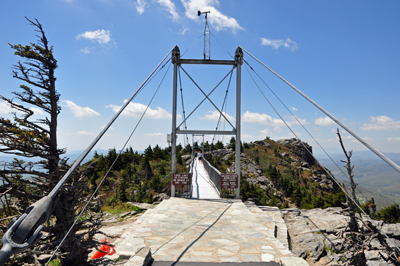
(191, 181)
(214, 174)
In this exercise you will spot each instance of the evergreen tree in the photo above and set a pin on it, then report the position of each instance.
(148, 152)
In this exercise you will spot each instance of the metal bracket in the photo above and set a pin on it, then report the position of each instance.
(25, 230)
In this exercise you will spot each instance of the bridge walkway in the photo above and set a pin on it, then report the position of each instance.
(209, 231)
(202, 186)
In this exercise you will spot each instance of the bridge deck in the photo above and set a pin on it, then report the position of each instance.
(213, 230)
(202, 187)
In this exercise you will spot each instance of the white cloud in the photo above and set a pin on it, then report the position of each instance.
(100, 36)
(276, 44)
(257, 118)
(137, 109)
(5, 108)
(85, 133)
(295, 122)
(324, 121)
(86, 50)
(110, 128)
(218, 20)
(154, 135)
(293, 108)
(184, 30)
(247, 138)
(393, 139)
(37, 111)
(170, 7)
(80, 111)
(214, 116)
(381, 123)
(140, 6)
(266, 132)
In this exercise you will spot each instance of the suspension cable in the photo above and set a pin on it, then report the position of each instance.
(298, 120)
(183, 106)
(192, 45)
(55, 190)
(326, 170)
(378, 153)
(222, 45)
(205, 97)
(223, 104)
(108, 171)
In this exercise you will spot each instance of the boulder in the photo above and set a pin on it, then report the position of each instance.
(263, 143)
(299, 149)
(160, 197)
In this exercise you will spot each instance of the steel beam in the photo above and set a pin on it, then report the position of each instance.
(239, 62)
(175, 59)
(207, 62)
(202, 132)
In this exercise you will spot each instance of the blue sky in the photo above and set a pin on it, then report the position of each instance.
(345, 55)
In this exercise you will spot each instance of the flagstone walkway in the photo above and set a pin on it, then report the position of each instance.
(214, 230)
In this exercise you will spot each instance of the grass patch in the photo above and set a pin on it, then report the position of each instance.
(120, 208)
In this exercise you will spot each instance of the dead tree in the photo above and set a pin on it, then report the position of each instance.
(20, 135)
(350, 201)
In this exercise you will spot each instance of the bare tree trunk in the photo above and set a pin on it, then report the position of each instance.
(350, 201)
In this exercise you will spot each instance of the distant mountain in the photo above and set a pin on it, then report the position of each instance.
(370, 171)
(73, 155)
(381, 200)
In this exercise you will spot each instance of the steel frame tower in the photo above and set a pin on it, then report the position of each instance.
(177, 61)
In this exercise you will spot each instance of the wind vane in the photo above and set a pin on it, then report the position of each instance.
(207, 38)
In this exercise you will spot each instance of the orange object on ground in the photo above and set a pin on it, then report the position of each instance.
(108, 249)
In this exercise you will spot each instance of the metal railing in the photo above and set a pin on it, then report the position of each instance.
(214, 174)
(191, 181)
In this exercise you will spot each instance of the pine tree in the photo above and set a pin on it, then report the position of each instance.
(25, 137)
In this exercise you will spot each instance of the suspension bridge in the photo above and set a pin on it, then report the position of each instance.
(202, 226)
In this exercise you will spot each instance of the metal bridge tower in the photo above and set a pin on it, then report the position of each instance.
(237, 63)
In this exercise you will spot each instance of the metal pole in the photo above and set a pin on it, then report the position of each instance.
(175, 61)
(239, 62)
(202, 146)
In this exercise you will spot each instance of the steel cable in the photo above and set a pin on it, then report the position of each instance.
(108, 171)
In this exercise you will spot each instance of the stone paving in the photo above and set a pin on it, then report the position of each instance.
(271, 217)
(214, 230)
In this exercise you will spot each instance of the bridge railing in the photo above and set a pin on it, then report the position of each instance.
(214, 174)
(191, 181)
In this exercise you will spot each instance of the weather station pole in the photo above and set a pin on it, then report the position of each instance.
(207, 33)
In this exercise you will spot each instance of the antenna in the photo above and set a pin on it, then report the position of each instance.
(207, 33)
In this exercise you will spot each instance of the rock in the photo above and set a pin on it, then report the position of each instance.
(142, 206)
(305, 164)
(160, 197)
(284, 154)
(263, 180)
(122, 215)
(300, 252)
(372, 255)
(299, 149)
(263, 143)
(312, 229)
(43, 258)
(255, 200)
(392, 230)
(333, 243)
(375, 244)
